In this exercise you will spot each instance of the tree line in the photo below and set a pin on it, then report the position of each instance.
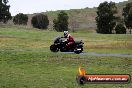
(107, 20)
(41, 21)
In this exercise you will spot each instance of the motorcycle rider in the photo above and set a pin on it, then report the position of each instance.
(69, 39)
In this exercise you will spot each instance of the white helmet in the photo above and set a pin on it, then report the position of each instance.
(66, 33)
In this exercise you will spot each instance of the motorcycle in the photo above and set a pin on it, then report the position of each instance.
(60, 45)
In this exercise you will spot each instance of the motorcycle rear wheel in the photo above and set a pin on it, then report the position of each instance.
(78, 51)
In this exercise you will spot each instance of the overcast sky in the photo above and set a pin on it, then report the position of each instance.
(36, 6)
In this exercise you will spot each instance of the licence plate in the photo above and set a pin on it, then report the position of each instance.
(78, 49)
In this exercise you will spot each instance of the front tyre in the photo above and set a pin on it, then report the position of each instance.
(54, 48)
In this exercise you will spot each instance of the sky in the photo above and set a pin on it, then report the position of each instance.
(37, 6)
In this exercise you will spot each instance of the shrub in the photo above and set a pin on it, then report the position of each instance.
(61, 23)
(120, 29)
(40, 21)
(20, 19)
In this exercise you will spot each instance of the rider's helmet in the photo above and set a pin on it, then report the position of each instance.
(66, 34)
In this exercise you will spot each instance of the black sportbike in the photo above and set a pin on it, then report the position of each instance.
(60, 44)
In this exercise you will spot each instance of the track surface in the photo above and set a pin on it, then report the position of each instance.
(84, 53)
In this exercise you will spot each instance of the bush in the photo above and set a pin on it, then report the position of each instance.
(20, 19)
(120, 29)
(40, 21)
(61, 23)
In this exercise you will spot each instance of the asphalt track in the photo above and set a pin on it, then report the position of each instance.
(83, 53)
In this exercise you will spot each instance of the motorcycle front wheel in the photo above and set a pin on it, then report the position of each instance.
(54, 48)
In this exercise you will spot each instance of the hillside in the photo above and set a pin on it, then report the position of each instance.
(81, 18)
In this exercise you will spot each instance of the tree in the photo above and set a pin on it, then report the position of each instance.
(127, 13)
(120, 29)
(61, 23)
(40, 21)
(20, 19)
(105, 19)
(5, 15)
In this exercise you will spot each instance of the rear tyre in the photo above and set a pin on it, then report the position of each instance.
(54, 48)
(78, 50)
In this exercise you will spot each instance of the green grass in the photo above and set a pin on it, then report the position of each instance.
(26, 61)
(50, 70)
(34, 39)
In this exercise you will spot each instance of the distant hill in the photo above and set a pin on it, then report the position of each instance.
(80, 18)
